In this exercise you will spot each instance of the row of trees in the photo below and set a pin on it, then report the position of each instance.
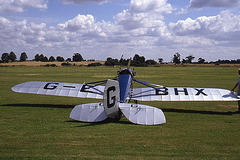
(12, 57)
(136, 61)
(141, 61)
(77, 57)
(177, 60)
(6, 57)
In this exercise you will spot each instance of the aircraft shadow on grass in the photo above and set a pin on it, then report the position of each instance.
(86, 124)
(106, 121)
(39, 105)
(165, 110)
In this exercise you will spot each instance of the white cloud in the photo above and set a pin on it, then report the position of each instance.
(22, 31)
(145, 17)
(83, 26)
(80, 22)
(182, 11)
(213, 3)
(21, 35)
(83, 33)
(150, 6)
(20, 5)
(223, 27)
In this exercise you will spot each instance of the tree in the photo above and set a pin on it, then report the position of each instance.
(51, 59)
(201, 60)
(189, 59)
(111, 62)
(184, 61)
(123, 61)
(23, 56)
(160, 60)
(77, 57)
(12, 56)
(37, 57)
(60, 59)
(45, 59)
(68, 60)
(151, 62)
(176, 58)
(5, 57)
(41, 58)
(138, 60)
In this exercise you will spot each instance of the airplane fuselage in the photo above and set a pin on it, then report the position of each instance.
(125, 79)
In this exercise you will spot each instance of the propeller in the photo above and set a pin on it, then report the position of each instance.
(129, 62)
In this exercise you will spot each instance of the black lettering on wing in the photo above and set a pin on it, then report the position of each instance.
(91, 89)
(184, 91)
(51, 86)
(85, 88)
(200, 91)
(161, 91)
(69, 86)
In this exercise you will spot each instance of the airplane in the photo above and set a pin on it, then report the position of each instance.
(118, 92)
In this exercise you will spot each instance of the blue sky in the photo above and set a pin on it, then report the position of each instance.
(98, 29)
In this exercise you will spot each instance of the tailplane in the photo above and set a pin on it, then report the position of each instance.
(142, 114)
(91, 112)
(112, 109)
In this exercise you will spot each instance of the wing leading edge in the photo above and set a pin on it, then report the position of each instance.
(61, 89)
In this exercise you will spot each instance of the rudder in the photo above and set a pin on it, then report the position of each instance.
(111, 100)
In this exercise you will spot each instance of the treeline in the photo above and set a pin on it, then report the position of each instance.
(136, 61)
(177, 60)
(227, 61)
(77, 57)
(141, 61)
(11, 57)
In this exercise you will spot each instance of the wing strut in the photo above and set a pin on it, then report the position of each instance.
(152, 85)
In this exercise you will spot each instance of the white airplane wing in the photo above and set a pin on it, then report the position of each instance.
(61, 89)
(183, 94)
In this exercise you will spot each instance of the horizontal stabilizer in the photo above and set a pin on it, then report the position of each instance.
(91, 112)
(142, 114)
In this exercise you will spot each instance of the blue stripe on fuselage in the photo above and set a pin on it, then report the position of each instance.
(124, 85)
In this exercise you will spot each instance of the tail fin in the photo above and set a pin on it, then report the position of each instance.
(111, 100)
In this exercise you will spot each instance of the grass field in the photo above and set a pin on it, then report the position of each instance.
(38, 127)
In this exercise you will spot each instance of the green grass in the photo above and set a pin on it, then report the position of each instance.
(38, 127)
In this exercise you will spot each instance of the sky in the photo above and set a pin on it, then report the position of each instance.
(98, 29)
